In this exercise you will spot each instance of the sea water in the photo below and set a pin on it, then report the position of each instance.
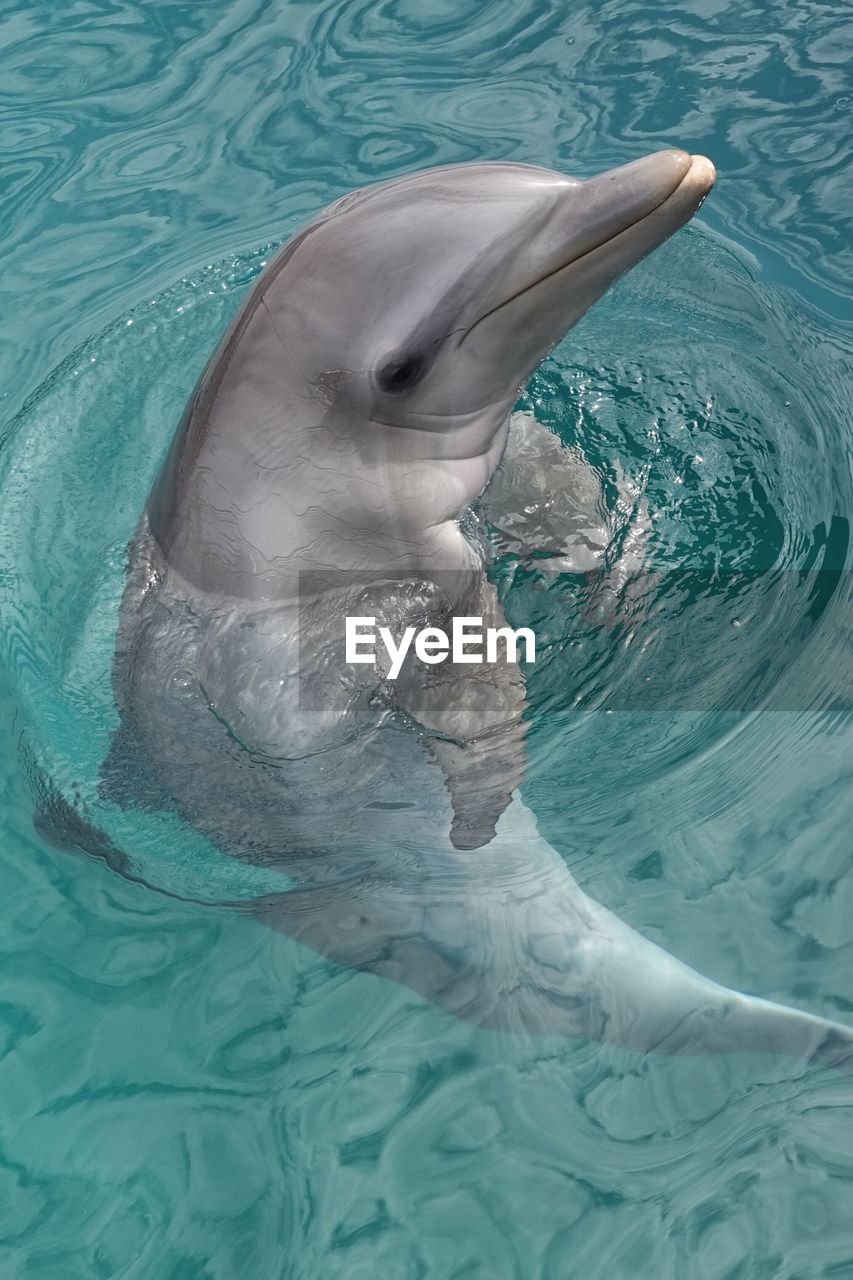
(186, 1095)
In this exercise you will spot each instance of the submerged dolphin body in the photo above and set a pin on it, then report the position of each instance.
(358, 405)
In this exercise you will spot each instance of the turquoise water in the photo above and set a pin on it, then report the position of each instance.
(186, 1095)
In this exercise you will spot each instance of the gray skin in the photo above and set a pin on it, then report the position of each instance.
(356, 408)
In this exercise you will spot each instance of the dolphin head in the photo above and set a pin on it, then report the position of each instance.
(396, 328)
(433, 297)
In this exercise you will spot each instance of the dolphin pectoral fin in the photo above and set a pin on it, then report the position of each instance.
(481, 776)
(470, 715)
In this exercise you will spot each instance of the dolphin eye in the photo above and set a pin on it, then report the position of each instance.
(400, 372)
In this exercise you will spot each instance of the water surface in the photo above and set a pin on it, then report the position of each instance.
(188, 1096)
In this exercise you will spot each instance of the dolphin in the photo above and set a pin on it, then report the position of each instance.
(324, 468)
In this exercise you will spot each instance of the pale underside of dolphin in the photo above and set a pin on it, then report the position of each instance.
(357, 407)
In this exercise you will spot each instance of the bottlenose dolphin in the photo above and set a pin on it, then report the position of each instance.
(358, 405)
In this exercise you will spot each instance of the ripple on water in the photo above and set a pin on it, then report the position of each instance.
(186, 1094)
(705, 617)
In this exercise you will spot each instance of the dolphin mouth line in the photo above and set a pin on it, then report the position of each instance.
(700, 166)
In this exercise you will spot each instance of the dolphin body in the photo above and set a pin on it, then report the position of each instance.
(355, 409)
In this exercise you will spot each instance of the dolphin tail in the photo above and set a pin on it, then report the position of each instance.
(801, 1035)
(634, 993)
(749, 1024)
(666, 1007)
(504, 938)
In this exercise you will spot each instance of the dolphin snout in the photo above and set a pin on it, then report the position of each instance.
(596, 230)
(702, 175)
(616, 201)
(665, 170)
(695, 173)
